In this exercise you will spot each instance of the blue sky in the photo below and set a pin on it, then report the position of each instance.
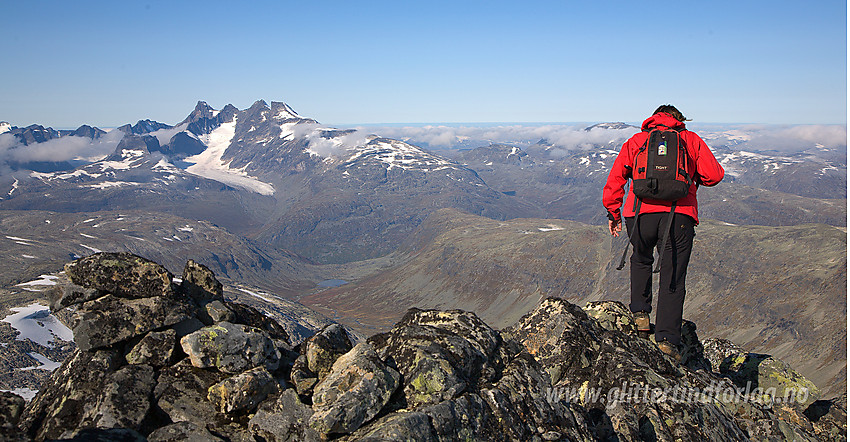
(109, 63)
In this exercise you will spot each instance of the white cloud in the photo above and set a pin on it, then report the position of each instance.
(567, 137)
(570, 138)
(322, 142)
(58, 149)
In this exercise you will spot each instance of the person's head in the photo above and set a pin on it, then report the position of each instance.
(672, 111)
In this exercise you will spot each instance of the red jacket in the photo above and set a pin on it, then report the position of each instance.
(708, 172)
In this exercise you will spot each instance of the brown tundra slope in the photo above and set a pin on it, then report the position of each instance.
(777, 290)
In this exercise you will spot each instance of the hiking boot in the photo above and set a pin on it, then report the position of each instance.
(670, 350)
(641, 321)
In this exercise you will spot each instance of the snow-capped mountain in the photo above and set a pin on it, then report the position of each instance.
(285, 179)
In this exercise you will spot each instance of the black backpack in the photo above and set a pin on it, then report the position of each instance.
(660, 172)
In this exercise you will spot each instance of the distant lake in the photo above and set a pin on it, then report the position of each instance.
(332, 283)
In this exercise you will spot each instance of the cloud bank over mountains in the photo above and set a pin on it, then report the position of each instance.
(575, 137)
(66, 148)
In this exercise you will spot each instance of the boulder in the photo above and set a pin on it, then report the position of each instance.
(11, 408)
(356, 389)
(242, 392)
(181, 393)
(302, 378)
(562, 337)
(284, 420)
(109, 319)
(183, 432)
(123, 400)
(439, 354)
(122, 274)
(200, 283)
(407, 426)
(612, 315)
(231, 348)
(71, 393)
(155, 348)
(216, 311)
(62, 296)
(523, 410)
(323, 349)
(765, 379)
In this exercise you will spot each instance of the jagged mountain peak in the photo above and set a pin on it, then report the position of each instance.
(282, 110)
(5, 127)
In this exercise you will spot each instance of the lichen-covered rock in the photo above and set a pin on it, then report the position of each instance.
(562, 337)
(439, 354)
(467, 418)
(216, 311)
(200, 283)
(245, 314)
(765, 378)
(155, 349)
(62, 296)
(183, 432)
(123, 400)
(356, 389)
(302, 378)
(522, 409)
(181, 392)
(612, 315)
(243, 391)
(323, 349)
(401, 426)
(109, 319)
(104, 435)
(11, 408)
(122, 274)
(283, 420)
(71, 393)
(231, 348)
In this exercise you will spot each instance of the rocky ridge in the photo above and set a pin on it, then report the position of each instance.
(180, 362)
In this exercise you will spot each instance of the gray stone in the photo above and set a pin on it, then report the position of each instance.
(325, 347)
(123, 400)
(181, 392)
(283, 420)
(104, 435)
(11, 408)
(200, 283)
(108, 320)
(612, 315)
(155, 349)
(71, 393)
(242, 392)
(122, 274)
(402, 426)
(356, 389)
(302, 378)
(439, 354)
(218, 312)
(182, 432)
(232, 348)
(62, 296)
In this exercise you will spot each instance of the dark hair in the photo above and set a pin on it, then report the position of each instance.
(670, 109)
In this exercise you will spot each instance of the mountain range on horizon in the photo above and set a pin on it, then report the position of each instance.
(281, 204)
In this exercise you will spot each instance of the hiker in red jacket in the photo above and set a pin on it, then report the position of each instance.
(651, 221)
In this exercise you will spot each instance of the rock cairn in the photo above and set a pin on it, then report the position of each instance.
(165, 361)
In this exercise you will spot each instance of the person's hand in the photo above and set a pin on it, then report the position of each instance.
(615, 227)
